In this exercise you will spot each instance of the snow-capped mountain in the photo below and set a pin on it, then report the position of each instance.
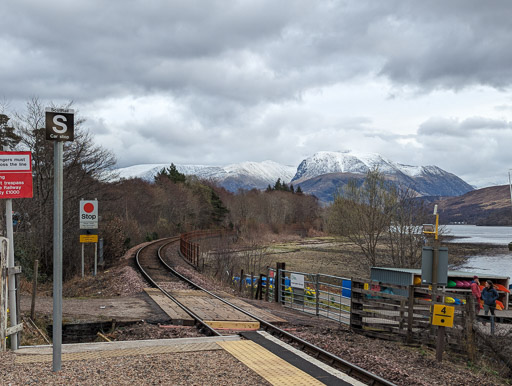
(321, 174)
(325, 162)
(324, 172)
(245, 175)
(148, 172)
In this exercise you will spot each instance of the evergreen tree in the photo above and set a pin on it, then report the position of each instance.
(219, 211)
(171, 173)
(299, 190)
(278, 185)
(7, 135)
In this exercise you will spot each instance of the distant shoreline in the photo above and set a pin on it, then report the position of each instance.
(460, 253)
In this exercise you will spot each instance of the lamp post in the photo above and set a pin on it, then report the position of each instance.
(510, 186)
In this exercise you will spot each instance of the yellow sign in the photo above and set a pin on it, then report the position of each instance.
(366, 286)
(443, 315)
(88, 238)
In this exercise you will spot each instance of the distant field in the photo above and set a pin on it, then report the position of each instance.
(326, 255)
(339, 257)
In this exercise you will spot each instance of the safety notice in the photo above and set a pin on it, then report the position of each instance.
(16, 174)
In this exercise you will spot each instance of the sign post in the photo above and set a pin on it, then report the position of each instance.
(15, 182)
(59, 128)
(442, 316)
(89, 228)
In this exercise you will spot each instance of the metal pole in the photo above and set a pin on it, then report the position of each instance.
(83, 264)
(57, 256)
(100, 247)
(95, 258)
(12, 282)
(510, 186)
(317, 293)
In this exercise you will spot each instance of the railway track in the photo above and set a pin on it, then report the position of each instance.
(150, 262)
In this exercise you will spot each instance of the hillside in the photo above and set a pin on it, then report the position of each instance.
(487, 206)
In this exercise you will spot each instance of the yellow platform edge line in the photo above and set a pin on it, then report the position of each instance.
(231, 325)
(268, 365)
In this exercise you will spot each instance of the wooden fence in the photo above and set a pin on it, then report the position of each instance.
(190, 249)
(394, 312)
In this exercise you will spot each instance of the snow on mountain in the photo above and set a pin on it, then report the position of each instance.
(325, 172)
(320, 174)
(267, 170)
(245, 175)
(325, 162)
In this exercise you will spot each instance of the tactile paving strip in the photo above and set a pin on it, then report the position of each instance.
(268, 365)
(88, 355)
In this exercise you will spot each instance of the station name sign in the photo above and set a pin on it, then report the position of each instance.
(60, 124)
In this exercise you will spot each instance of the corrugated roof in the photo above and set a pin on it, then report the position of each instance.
(450, 273)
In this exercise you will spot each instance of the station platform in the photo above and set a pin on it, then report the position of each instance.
(275, 361)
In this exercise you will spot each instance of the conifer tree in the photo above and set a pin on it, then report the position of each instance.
(278, 185)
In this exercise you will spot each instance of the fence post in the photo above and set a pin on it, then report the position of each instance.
(277, 283)
(317, 292)
(267, 284)
(402, 315)
(260, 285)
(282, 284)
(410, 314)
(34, 290)
(356, 306)
(470, 335)
(252, 285)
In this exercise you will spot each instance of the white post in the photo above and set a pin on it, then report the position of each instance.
(12, 281)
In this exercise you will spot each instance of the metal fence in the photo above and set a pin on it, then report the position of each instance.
(318, 294)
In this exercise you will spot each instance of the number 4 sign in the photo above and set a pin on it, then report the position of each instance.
(443, 315)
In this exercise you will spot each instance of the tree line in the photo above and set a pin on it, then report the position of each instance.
(132, 211)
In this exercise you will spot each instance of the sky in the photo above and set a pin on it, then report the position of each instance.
(222, 82)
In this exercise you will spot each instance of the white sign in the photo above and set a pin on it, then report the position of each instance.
(15, 161)
(297, 281)
(89, 214)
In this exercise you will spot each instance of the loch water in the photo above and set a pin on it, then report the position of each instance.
(499, 264)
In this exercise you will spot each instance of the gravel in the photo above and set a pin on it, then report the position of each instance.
(195, 368)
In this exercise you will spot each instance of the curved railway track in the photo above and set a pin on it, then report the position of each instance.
(150, 262)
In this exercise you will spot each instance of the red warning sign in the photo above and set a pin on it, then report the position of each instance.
(16, 174)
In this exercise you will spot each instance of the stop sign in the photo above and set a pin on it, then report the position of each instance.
(89, 214)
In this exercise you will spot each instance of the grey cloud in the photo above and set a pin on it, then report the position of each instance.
(249, 52)
(458, 128)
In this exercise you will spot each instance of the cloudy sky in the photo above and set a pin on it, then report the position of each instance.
(220, 82)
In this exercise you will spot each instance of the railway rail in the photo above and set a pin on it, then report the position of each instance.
(149, 261)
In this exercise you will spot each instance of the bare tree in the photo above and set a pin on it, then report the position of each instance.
(405, 236)
(85, 165)
(363, 212)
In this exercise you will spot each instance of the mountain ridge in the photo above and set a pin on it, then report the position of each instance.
(319, 174)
